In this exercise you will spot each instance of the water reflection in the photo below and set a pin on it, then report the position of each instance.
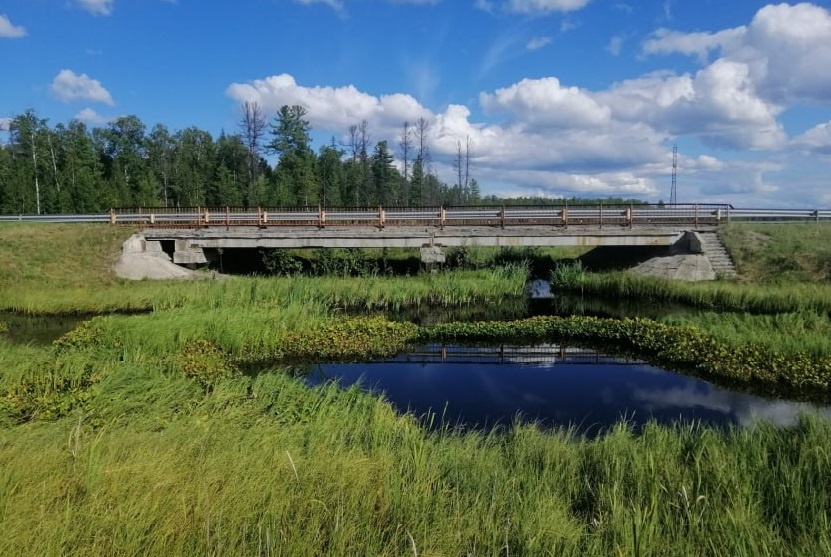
(38, 329)
(581, 388)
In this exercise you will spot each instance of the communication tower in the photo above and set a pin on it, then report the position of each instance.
(673, 194)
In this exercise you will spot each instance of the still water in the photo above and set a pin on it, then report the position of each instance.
(478, 388)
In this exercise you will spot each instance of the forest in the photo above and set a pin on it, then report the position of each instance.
(75, 168)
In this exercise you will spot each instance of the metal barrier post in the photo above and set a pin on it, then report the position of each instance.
(442, 217)
(227, 218)
(696, 215)
(502, 216)
(112, 216)
(601, 215)
(565, 216)
(382, 217)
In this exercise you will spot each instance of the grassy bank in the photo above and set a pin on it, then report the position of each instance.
(264, 466)
(780, 253)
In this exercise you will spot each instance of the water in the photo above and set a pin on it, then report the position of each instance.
(38, 330)
(478, 388)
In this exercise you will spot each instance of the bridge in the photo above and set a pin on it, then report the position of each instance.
(191, 235)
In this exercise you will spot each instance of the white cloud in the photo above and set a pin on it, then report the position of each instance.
(816, 140)
(786, 48)
(537, 43)
(544, 102)
(615, 45)
(4, 124)
(545, 6)
(719, 104)
(664, 41)
(9, 30)
(333, 108)
(69, 86)
(97, 7)
(89, 116)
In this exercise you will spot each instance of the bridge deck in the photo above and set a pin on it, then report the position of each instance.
(416, 237)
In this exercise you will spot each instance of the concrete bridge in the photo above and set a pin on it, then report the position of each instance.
(191, 237)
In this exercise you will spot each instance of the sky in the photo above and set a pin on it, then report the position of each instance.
(558, 98)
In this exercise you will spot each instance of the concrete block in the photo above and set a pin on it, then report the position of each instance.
(432, 254)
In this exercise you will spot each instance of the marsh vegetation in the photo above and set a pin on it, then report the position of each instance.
(149, 434)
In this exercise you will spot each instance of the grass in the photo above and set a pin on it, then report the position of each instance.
(128, 455)
(264, 466)
(780, 253)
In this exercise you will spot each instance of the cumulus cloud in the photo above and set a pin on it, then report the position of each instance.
(9, 30)
(333, 108)
(816, 140)
(786, 48)
(719, 104)
(97, 7)
(89, 116)
(69, 86)
(4, 124)
(544, 102)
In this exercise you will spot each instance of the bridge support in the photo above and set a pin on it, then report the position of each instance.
(187, 254)
(431, 254)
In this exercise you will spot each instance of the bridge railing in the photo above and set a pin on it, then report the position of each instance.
(557, 216)
(563, 216)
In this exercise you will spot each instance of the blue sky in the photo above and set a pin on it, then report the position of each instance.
(558, 97)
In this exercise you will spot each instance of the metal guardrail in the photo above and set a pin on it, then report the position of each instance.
(557, 216)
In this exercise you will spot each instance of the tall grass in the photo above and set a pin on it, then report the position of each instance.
(718, 295)
(803, 332)
(264, 466)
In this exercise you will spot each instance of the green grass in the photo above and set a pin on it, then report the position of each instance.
(716, 295)
(265, 466)
(780, 253)
(122, 451)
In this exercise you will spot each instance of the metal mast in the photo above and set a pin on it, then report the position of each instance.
(673, 195)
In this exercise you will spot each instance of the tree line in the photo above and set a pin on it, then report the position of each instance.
(72, 168)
